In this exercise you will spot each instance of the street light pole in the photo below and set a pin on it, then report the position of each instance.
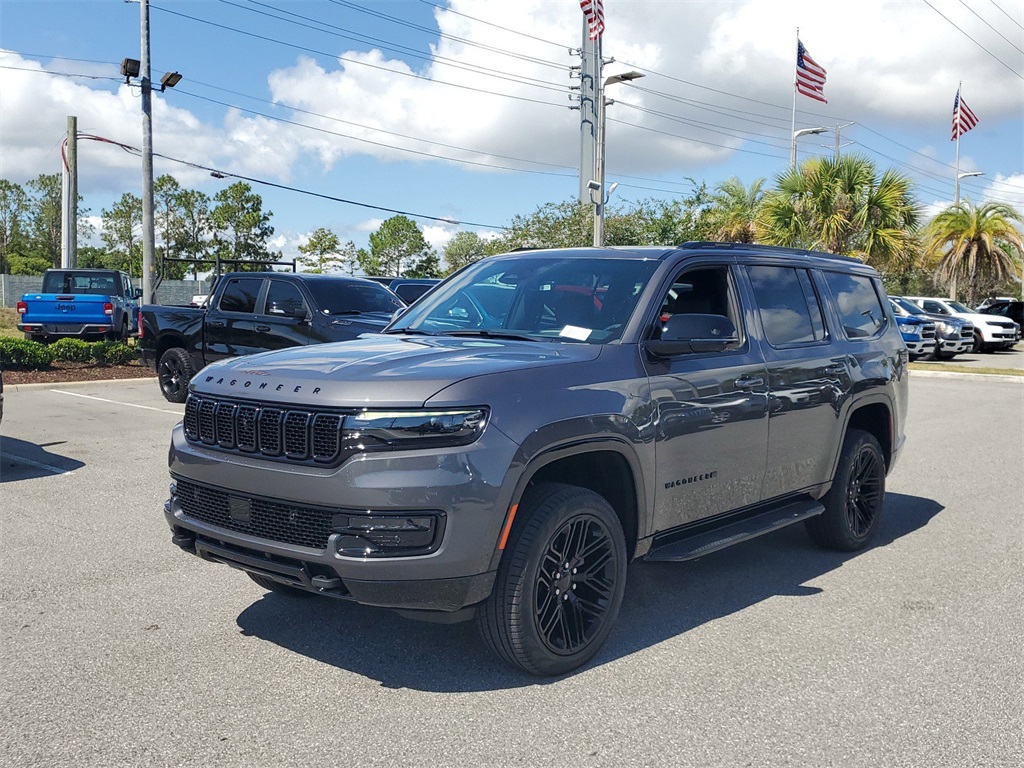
(148, 228)
(956, 198)
(597, 185)
(796, 135)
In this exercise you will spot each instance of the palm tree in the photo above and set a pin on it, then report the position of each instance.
(842, 206)
(734, 210)
(974, 242)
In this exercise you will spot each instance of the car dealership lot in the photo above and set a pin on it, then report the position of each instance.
(118, 649)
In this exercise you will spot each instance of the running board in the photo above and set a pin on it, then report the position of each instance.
(705, 543)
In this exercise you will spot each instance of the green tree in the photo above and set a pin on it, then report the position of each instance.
(568, 224)
(397, 243)
(45, 217)
(325, 253)
(241, 226)
(464, 248)
(166, 219)
(90, 256)
(122, 234)
(733, 211)
(14, 209)
(974, 243)
(194, 227)
(842, 206)
(428, 265)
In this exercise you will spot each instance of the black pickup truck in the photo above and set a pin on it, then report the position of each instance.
(258, 312)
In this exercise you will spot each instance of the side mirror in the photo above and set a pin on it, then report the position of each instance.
(683, 334)
(136, 293)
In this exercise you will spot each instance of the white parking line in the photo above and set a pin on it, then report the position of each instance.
(115, 402)
(37, 464)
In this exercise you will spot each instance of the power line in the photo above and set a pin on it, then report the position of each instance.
(219, 173)
(1006, 14)
(60, 74)
(335, 57)
(492, 24)
(983, 21)
(986, 50)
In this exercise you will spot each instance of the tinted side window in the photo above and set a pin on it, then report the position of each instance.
(787, 304)
(284, 299)
(240, 295)
(858, 304)
(934, 307)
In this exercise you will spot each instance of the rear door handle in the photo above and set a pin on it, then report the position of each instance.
(262, 327)
(217, 324)
(749, 382)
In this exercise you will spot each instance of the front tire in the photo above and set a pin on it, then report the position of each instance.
(174, 371)
(560, 582)
(853, 504)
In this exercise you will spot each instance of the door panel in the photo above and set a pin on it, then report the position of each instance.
(229, 327)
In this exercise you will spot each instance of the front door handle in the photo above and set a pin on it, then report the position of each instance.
(217, 324)
(749, 382)
(835, 369)
(262, 327)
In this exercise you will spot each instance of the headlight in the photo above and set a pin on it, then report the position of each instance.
(397, 430)
(947, 329)
(913, 333)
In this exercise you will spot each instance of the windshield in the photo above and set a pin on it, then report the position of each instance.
(908, 307)
(338, 297)
(557, 297)
(958, 307)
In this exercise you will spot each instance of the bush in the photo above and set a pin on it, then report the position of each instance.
(72, 350)
(111, 352)
(21, 353)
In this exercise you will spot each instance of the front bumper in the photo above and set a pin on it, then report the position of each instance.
(956, 346)
(464, 488)
(921, 346)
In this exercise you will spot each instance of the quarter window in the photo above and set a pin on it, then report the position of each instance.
(240, 295)
(789, 308)
(858, 304)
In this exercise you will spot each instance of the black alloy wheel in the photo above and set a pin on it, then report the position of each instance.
(174, 372)
(574, 585)
(853, 504)
(560, 581)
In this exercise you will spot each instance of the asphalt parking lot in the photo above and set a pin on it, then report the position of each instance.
(118, 649)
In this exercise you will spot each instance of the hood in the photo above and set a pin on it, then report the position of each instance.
(391, 371)
(912, 320)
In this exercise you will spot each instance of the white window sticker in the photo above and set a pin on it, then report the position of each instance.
(575, 332)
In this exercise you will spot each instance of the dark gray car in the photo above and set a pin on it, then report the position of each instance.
(514, 439)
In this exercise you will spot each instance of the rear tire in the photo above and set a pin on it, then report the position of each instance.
(174, 372)
(853, 505)
(560, 581)
(278, 587)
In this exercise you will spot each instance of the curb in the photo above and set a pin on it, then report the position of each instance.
(62, 384)
(965, 376)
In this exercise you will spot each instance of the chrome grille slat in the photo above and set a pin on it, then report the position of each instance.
(300, 435)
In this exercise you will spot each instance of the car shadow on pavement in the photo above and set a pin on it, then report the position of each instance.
(662, 600)
(21, 460)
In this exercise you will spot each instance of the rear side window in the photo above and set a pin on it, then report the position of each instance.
(284, 299)
(789, 308)
(240, 295)
(858, 304)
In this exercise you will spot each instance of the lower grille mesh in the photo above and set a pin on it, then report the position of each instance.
(287, 523)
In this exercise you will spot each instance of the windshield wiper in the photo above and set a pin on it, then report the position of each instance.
(483, 332)
(410, 331)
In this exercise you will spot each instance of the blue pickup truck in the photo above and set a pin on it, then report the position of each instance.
(84, 303)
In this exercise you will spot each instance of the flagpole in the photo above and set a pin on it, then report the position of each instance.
(792, 134)
(959, 111)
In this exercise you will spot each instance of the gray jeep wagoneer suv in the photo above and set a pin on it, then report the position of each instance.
(513, 440)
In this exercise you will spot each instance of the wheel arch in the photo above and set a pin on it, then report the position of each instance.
(606, 467)
(874, 416)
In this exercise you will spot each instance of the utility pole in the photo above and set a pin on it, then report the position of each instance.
(838, 144)
(590, 85)
(69, 198)
(148, 229)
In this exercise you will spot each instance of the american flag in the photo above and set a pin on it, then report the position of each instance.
(963, 118)
(810, 78)
(594, 11)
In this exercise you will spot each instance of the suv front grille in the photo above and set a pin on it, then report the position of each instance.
(928, 331)
(265, 518)
(289, 434)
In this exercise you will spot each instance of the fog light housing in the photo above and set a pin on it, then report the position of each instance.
(387, 535)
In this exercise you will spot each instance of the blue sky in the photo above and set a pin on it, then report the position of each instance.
(459, 108)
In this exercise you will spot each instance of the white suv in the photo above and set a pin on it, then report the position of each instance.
(991, 332)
